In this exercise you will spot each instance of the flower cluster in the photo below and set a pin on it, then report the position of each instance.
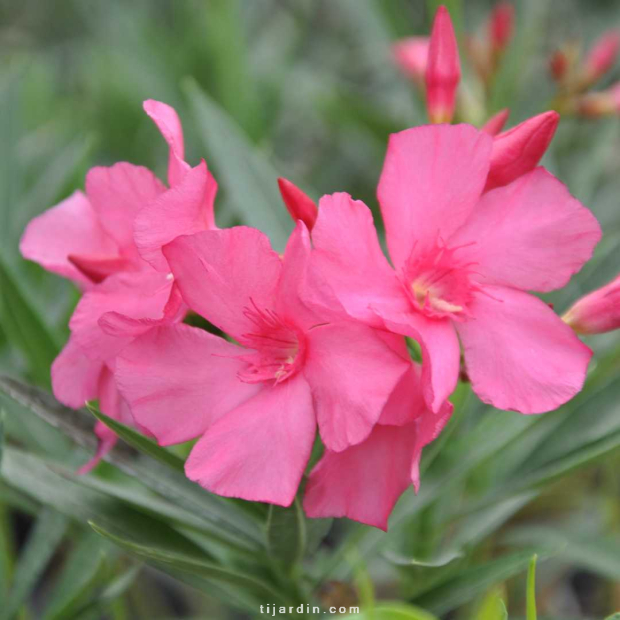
(317, 337)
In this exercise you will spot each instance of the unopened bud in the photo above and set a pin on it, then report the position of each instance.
(559, 65)
(443, 71)
(299, 204)
(597, 312)
(496, 123)
(602, 56)
(411, 55)
(519, 149)
(501, 26)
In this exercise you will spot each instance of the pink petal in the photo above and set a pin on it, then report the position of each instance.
(142, 295)
(71, 227)
(428, 427)
(98, 269)
(185, 209)
(440, 351)
(75, 377)
(352, 373)
(531, 234)
(178, 380)
(222, 273)
(364, 481)
(299, 205)
(117, 194)
(348, 255)
(168, 123)
(519, 354)
(432, 178)
(296, 285)
(519, 149)
(406, 402)
(259, 450)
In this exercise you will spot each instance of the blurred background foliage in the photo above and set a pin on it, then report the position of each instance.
(304, 89)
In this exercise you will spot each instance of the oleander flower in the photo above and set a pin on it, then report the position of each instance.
(365, 481)
(255, 405)
(463, 261)
(597, 312)
(108, 241)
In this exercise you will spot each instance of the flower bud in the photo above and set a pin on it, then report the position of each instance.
(411, 56)
(559, 64)
(496, 123)
(299, 205)
(501, 26)
(519, 149)
(443, 70)
(597, 312)
(601, 57)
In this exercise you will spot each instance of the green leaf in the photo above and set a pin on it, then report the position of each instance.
(613, 617)
(472, 580)
(195, 564)
(393, 611)
(286, 534)
(492, 607)
(80, 573)
(24, 327)
(41, 545)
(226, 520)
(531, 589)
(247, 176)
(138, 441)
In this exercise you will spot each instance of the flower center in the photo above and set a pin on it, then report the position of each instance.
(278, 348)
(439, 283)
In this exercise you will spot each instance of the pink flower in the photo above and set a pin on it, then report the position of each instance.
(443, 69)
(597, 312)
(411, 55)
(463, 261)
(109, 242)
(255, 406)
(364, 481)
(602, 56)
(501, 26)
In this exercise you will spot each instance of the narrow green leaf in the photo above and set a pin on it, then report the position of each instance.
(79, 576)
(247, 176)
(195, 564)
(286, 534)
(138, 441)
(392, 611)
(24, 327)
(225, 517)
(470, 581)
(41, 545)
(531, 589)
(492, 607)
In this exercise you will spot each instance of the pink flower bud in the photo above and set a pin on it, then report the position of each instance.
(558, 65)
(299, 205)
(602, 56)
(443, 71)
(519, 149)
(496, 123)
(597, 312)
(501, 26)
(411, 56)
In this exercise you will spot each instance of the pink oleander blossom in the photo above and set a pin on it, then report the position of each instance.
(364, 481)
(109, 241)
(255, 405)
(463, 263)
(411, 55)
(597, 312)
